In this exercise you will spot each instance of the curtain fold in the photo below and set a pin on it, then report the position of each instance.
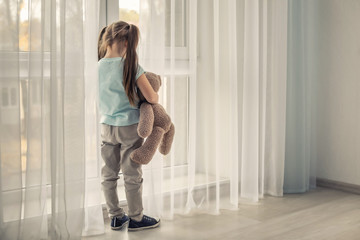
(48, 119)
(94, 220)
(231, 86)
(274, 76)
(300, 150)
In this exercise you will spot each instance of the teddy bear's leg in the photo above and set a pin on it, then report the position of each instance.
(145, 153)
(167, 140)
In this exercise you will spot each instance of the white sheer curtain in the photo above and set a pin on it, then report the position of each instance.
(93, 220)
(224, 66)
(48, 120)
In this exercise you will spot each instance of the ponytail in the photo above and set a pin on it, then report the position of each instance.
(131, 64)
(101, 45)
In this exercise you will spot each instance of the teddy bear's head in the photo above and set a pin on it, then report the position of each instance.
(155, 82)
(154, 79)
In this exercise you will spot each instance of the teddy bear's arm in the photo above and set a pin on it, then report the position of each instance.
(146, 120)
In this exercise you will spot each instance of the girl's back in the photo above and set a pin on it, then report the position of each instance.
(115, 108)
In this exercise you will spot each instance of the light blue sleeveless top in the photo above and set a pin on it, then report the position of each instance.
(114, 105)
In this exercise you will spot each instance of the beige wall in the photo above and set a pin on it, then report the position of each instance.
(338, 91)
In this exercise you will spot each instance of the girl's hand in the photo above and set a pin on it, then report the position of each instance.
(147, 91)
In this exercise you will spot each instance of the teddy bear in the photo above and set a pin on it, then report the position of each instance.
(154, 124)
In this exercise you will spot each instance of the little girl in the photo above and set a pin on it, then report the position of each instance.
(119, 76)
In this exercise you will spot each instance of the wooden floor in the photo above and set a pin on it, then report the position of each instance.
(320, 214)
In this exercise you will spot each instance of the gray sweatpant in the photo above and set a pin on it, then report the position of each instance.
(117, 145)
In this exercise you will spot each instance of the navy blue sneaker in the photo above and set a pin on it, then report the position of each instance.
(117, 223)
(145, 223)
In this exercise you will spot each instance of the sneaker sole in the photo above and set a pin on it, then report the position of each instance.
(120, 227)
(143, 228)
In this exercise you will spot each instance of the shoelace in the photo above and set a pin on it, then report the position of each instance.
(148, 219)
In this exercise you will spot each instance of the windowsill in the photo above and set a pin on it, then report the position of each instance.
(181, 67)
(180, 183)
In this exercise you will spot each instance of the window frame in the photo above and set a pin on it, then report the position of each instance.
(181, 53)
(109, 12)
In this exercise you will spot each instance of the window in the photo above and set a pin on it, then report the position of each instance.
(15, 48)
(181, 30)
(178, 89)
(180, 23)
(176, 86)
(9, 97)
(16, 37)
(129, 11)
(5, 97)
(13, 97)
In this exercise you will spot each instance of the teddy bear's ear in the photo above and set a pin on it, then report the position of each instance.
(159, 80)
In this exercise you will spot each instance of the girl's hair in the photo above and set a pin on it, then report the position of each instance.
(121, 32)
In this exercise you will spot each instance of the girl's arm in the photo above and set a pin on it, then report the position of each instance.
(150, 95)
